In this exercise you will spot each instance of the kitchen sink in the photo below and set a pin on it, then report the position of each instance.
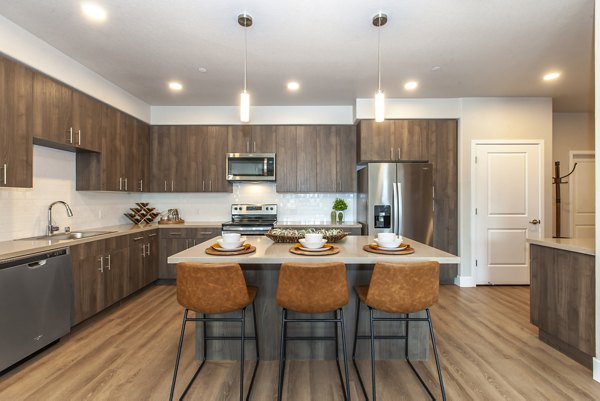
(67, 236)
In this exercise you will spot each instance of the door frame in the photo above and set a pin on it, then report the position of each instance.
(475, 189)
(572, 159)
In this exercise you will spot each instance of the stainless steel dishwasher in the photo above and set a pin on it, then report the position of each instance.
(35, 303)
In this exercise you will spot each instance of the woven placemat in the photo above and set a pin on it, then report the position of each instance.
(247, 249)
(374, 248)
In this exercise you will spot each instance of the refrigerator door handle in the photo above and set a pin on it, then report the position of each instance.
(399, 206)
(395, 209)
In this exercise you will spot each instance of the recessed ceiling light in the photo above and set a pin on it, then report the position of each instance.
(435, 68)
(551, 76)
(411, 85)
(293, 85)
(202, 69)
(93, 11)
(175, 86)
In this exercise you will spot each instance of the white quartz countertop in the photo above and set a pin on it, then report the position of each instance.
(316, 223)
(580, 245)
(351, 252)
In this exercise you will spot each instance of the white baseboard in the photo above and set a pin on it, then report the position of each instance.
(596, 369)
(464, 281)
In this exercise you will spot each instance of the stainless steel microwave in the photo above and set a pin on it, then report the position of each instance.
(250, 167)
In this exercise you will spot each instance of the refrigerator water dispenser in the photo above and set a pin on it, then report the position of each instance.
(383, 216)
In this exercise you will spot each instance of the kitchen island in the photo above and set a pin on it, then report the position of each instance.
(261, 269)
(562, 292)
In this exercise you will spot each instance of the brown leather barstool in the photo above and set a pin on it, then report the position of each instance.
(215, 289)
(400, 288)
(313, 288)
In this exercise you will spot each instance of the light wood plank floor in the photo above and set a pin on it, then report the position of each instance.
(489, 351)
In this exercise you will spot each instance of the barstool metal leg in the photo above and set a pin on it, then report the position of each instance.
(281, 356)
(345, 352)
(184, 321)
(372, 323)
(242, 355)
(435, 354)
(257, 351)
(360, 380)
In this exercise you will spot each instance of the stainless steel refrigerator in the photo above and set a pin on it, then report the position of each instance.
(397, 197)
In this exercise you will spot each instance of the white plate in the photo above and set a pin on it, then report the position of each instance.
(398, 248)
(228, 249)
(315, 249)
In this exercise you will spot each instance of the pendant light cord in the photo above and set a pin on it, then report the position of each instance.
(379, 58)
(245, 56)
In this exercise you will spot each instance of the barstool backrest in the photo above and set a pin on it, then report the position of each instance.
(404, 287)
(211, 287)
(312, 288)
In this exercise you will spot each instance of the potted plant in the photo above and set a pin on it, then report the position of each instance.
(337, 214)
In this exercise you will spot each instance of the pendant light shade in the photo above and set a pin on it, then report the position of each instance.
(379, 20)
(379, 106)
(244, 106)
(245, 21)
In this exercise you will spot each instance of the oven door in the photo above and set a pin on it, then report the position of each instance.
(255, 229)
(250, 167)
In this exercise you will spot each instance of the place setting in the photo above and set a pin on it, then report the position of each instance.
(389, 244)
(313, 244)
(230, 244)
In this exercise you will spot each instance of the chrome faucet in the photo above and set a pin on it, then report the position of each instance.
(52, 228)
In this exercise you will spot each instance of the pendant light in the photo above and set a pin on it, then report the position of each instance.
(245, 21)
(379, 20)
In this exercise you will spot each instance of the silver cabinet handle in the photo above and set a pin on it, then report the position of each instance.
(4, 174)
(172, 185)
(143, 250)
(165, 185)
(210, 186)
(152, 235)
(391, 153)
(120, 184)
(399, 157)
(254, 147)
(247, 146)
(206, 233)
(176, 233)
(202, 185)
(125, 184)
(108, 259)
(148, 245)
(141, 185)
(70, 140)
(79, 137)
(187, 243)
(194, 242)
(101, 268)
(137, 238)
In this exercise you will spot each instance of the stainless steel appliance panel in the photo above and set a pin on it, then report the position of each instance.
(381, 178)
(35, 303)
(250, 167)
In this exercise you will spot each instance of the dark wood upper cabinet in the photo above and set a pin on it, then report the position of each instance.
(346, 158)
(306, 164)
(86, 122)
(286, 155)
(392, 140)
(326, 161)
(16, 108)
(213, 160)
(252, 139)
(52, 111)
(239, 138)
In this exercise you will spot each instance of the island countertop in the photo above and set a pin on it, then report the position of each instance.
(351, 252)
(585, 246)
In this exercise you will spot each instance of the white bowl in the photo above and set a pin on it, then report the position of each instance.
(394, 244)
(230, 245)
(311, 244)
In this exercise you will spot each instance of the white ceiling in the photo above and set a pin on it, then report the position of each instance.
(484, 48)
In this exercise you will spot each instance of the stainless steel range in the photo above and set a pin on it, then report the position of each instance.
(251, 219)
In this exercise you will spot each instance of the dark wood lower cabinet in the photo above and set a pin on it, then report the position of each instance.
(176, 240)
(562, 300)
(106, 271)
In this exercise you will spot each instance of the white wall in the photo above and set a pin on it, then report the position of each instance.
(31, 50)
(479, 119)
(570, 131)
(229, 115)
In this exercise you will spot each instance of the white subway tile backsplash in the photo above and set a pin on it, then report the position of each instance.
(24, 211)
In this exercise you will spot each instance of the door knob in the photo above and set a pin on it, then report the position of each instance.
(535, 221)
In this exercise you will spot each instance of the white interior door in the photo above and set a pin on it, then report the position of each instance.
(508, 202)
(582, 194)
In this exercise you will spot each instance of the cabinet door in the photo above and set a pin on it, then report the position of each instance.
(375, 141)
(286, 158)
(112, 164)
(326, 172)
(123, 150)
(239, 138)
(86, 122)
(137, 258)
(116, 261)
(168, 247)
(213, 164)
(410, 139)
(264, 139)
(16, 108)
(306, 165)
(150, 273)
(88, 280)
(138, 157)
(52, 114)
(346, 158)
(159, 158)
